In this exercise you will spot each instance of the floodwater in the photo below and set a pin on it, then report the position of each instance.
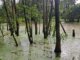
(42, 49)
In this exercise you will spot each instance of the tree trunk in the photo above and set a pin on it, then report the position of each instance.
(63, 28)
(15, 17)
(17, 28)
(30, 36)
(50, 17)
(54, 31)
(35, 27)
(58, 39)
(10, 25)
(1, 30)
(28, 24)
(45, 19)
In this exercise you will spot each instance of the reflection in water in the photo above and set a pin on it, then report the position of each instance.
(47, 51)
(57, 58)
(70, 47)
(57, 54)
(44, 48)
(30, 50)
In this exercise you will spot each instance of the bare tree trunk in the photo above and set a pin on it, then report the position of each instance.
(17, 28)
(58, 39)
(63, 28)
(36, 27)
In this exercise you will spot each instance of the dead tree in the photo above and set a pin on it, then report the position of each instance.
(63, 28)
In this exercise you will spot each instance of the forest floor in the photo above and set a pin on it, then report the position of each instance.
(43, 49)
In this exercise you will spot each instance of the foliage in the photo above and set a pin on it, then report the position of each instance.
(2, 15)
(36, 15)
(31, 11)
(72, 13)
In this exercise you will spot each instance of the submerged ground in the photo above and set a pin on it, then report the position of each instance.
(42, 49)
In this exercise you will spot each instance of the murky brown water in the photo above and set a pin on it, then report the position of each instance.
(42, 49)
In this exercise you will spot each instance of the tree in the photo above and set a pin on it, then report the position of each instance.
(50, 17)
(45, 18)
(28, 22)
(14, 9)
(35, 16)
(57, 21)
(9, 22)
(72, 14)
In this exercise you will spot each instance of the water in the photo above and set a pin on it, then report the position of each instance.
(42, 49)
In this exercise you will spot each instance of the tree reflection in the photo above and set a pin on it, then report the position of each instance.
(30, 51)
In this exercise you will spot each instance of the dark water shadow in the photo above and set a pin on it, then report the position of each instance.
(58, 55)
(44, 46)
(47, 50)
(30, 52)
(57, 58)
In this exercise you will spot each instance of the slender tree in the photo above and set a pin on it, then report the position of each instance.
(45, 18)
(15, 17)
(36, 27)
(9, 22)
(50, 17)
(28, 23)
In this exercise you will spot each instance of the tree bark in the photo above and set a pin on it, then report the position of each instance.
(35, 27)
(58, 39)
(17, 28)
